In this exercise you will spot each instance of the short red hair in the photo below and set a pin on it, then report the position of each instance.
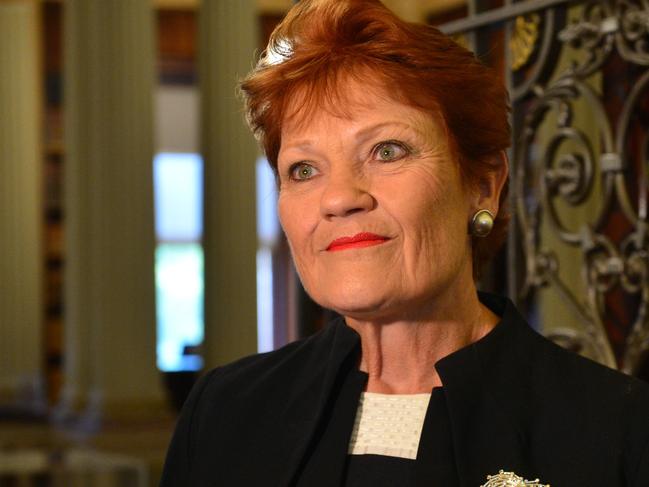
(322, 43)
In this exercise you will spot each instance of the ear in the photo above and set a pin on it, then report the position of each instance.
(487, 194)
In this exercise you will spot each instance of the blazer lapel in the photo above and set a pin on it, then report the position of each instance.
(324, 462)
(486, 386)
(485, 439)
(308, 409)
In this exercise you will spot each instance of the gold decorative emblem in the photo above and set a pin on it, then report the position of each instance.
(510, 479)
(523, 41)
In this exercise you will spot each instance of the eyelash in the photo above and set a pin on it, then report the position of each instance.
(404, 147)
(295, 167)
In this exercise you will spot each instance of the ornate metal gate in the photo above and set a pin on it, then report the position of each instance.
(578, 252)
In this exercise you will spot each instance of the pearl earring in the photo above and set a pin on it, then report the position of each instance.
(482, 223)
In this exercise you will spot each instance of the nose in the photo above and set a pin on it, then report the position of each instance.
(345, 193)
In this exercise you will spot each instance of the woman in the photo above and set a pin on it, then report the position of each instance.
(387, 140)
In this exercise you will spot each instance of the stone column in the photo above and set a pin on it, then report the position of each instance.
(110, 341)
(21, 220)
(228, 39)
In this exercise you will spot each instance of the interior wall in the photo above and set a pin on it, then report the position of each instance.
(176, 119)
(408, 9)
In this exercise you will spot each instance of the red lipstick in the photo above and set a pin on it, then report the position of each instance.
(359, 240)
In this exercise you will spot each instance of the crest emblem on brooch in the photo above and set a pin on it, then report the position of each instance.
(510, 479)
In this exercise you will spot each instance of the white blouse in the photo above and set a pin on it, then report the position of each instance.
(389, 424)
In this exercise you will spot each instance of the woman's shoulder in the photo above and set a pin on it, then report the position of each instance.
(521, 354)
(579, 405)
(572, 412)
(580, 378)
(257, 398)
(274, 373)
(545, 385)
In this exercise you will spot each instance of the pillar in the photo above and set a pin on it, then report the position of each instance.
(110, 344)
(21, 259)
(228, 40)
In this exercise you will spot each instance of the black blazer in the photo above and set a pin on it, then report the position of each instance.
(516, 402)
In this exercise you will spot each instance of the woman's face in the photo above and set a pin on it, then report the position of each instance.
(373, 207)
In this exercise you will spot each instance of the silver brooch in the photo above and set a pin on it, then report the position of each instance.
(510, 479)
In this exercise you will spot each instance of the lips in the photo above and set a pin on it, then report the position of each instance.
(359, 240)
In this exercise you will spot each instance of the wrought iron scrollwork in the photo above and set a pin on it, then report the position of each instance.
(573, 162)
(563, 166)
(546, 46)
(567, 176)
(593, 35)
(632, 37)
(605, 24)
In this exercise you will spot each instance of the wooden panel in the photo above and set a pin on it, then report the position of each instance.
(53, 159)
(177, 41)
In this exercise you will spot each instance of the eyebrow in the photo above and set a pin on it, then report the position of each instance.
(367, 132)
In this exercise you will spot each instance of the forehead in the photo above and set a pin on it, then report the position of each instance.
(352, 103)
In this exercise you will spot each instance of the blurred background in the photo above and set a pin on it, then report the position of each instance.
(139, 244)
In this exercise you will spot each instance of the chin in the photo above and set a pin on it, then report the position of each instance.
(356, 301)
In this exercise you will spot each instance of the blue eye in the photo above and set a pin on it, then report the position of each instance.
(302, 171)
(390, 151)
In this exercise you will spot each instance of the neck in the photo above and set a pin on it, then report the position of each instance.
(399, 354)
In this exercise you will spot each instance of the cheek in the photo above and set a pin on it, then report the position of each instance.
(297, 220)
(433, 218)
(282, 213)
(432, 199)
(288, 221)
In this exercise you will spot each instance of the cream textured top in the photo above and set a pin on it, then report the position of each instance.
(389, 424)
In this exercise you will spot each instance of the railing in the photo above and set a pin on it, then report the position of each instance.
(579, 84)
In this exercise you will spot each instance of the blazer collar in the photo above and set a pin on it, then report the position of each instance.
(486, 386)
(334, 358)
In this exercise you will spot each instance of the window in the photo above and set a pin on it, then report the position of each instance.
(178, 185)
